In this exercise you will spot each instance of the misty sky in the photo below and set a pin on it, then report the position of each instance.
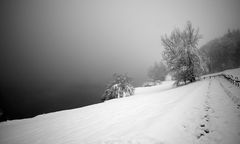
(89, 40)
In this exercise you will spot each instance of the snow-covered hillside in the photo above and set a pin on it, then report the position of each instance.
(201, 112)
(235, 72)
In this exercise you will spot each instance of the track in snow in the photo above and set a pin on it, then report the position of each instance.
(221, 121)
(201, 112)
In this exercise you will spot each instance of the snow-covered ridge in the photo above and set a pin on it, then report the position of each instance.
(201, 112)
(233, 73)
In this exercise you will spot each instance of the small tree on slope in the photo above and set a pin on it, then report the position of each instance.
(120, 87)
(157, 72)
(181, 54)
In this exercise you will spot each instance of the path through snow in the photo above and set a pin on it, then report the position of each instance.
(201, 112)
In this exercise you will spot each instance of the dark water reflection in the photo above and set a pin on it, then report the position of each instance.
(24, 101)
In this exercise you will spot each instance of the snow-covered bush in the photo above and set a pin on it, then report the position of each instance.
(120, 87)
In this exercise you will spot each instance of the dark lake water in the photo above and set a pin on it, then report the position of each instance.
(24, 101)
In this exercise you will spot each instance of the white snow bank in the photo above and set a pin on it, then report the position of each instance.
(195, 113)
(234, 72)
(165, 85)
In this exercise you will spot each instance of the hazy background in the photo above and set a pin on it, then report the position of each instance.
(59, 54)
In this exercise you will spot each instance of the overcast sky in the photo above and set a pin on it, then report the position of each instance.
(89, 40)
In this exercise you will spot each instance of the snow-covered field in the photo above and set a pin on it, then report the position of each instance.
(201, 112)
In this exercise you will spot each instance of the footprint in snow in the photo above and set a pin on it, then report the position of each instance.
(238, 106)
(200, 135)
(206, 118)
(206, 131)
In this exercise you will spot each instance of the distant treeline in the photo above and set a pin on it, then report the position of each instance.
(224, 52)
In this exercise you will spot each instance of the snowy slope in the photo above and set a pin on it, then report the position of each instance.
(202, 112)
(234, 72)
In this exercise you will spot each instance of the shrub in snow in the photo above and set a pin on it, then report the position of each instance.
(120, 87)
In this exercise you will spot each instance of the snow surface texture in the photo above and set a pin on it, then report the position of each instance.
(199, 113)
(234, 72)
